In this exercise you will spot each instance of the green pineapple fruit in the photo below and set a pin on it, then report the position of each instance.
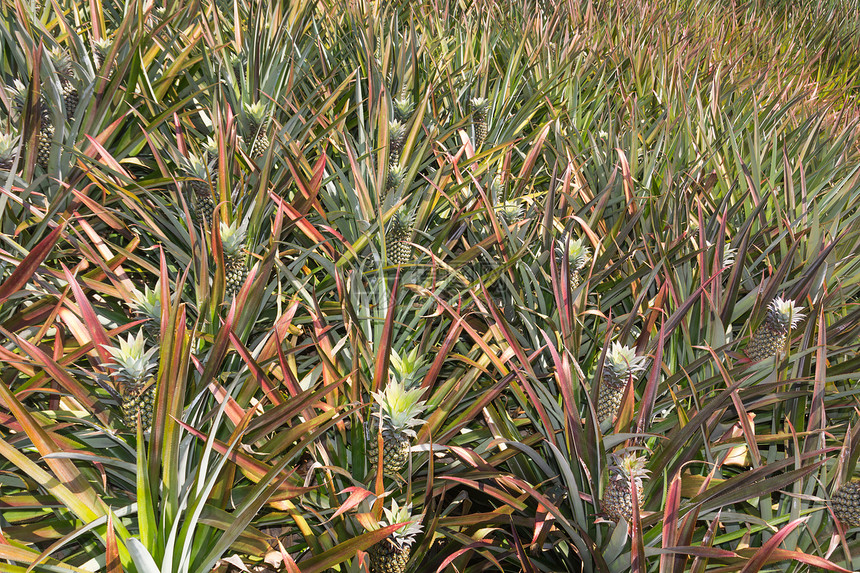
(66, 72)
(235, 270)
(480, 110)
(204, 203)
(396, 139)
(147, 306)
(782, 316)
(44, 143)
(629, 470)
(403, 108)
(621, 366)
(392, 553)
(211, 147)
(399, 410)
(8, 147)
(846, 503)
(578, 256)
(397, 246)
(135, 384)
(258, 119)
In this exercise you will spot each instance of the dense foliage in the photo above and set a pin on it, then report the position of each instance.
(429, 286)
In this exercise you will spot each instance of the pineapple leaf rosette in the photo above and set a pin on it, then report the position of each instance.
(399, 410)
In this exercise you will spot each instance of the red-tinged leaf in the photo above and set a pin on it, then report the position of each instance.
(302, 223)
(471, 547)
(761, 556)
(356, 496)
(525, 563)
(94, 326)
(233, 410)
(383, 353)
(106, 157)
(112, 562)
(814, 560)
(488, 490)
(671, 529)
(637, 554)
(259, 375)
(347, 550)
(699, 551)
(289, 562)
(27, 267)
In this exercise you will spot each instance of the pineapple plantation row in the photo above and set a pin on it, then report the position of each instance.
(413, 287)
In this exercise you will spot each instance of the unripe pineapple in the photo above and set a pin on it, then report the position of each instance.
(396, 139)
(622, 365)
(44, 143)
(147, 305)
(134, 383)
(846, 503)
(392, 553)
(782, 316)
(629, 470)
(399, 408)
(8, 146)
(66, 73)
(235, 270)
(403, 108)
(211, 147)
(397, 246)
(101, 49)
(204, 203)
(578, 256)
(480, 111)
(258, 120)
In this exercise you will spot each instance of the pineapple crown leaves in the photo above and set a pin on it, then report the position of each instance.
(103, 45)
(405, 535)
(396, 130)
(480, 105)
(233, 237)
(510, 211)
(402, 218)
(785, 312)
(132, 358)
(400, 407)
(403, 107)
(8, 144)
(577, 253)
(148, 302)
(622, 361)
(407, 368)
(629, 466)
(257, 115)
(195, 166)
(62, 63)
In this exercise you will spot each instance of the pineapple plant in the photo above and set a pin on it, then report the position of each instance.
(403, 108)
(257, 123)
(8, 145)
(782, 316)
(392, 553)
(395, 176)
(578, 256)
(396, 139)
(43, 149)
(45, 138)
(101, 49)
(510, 212)
(135, 384)
(845, 503)
(397, 246)
(621, 365)
(66, 73)
(147, 306)
(399, 408)
(197, 170)
(235, 270)
(480, 109)
(626, 474)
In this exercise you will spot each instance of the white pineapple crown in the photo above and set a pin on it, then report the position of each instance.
(622, 360)
(148, 302)
(132, 358)
(400, 407)
(788, 313)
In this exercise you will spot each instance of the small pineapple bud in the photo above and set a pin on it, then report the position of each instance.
(510, 212)
(622, 365)
(66, 72)
(134, 365)
(578, 256)
(101, 49)
(845, 503)
(147, 305)
(480, 110)
(235, 271)
(397, 245)
(782, 316)
(395, 176)
(257, 122)
(392, 553)
(44, 144)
